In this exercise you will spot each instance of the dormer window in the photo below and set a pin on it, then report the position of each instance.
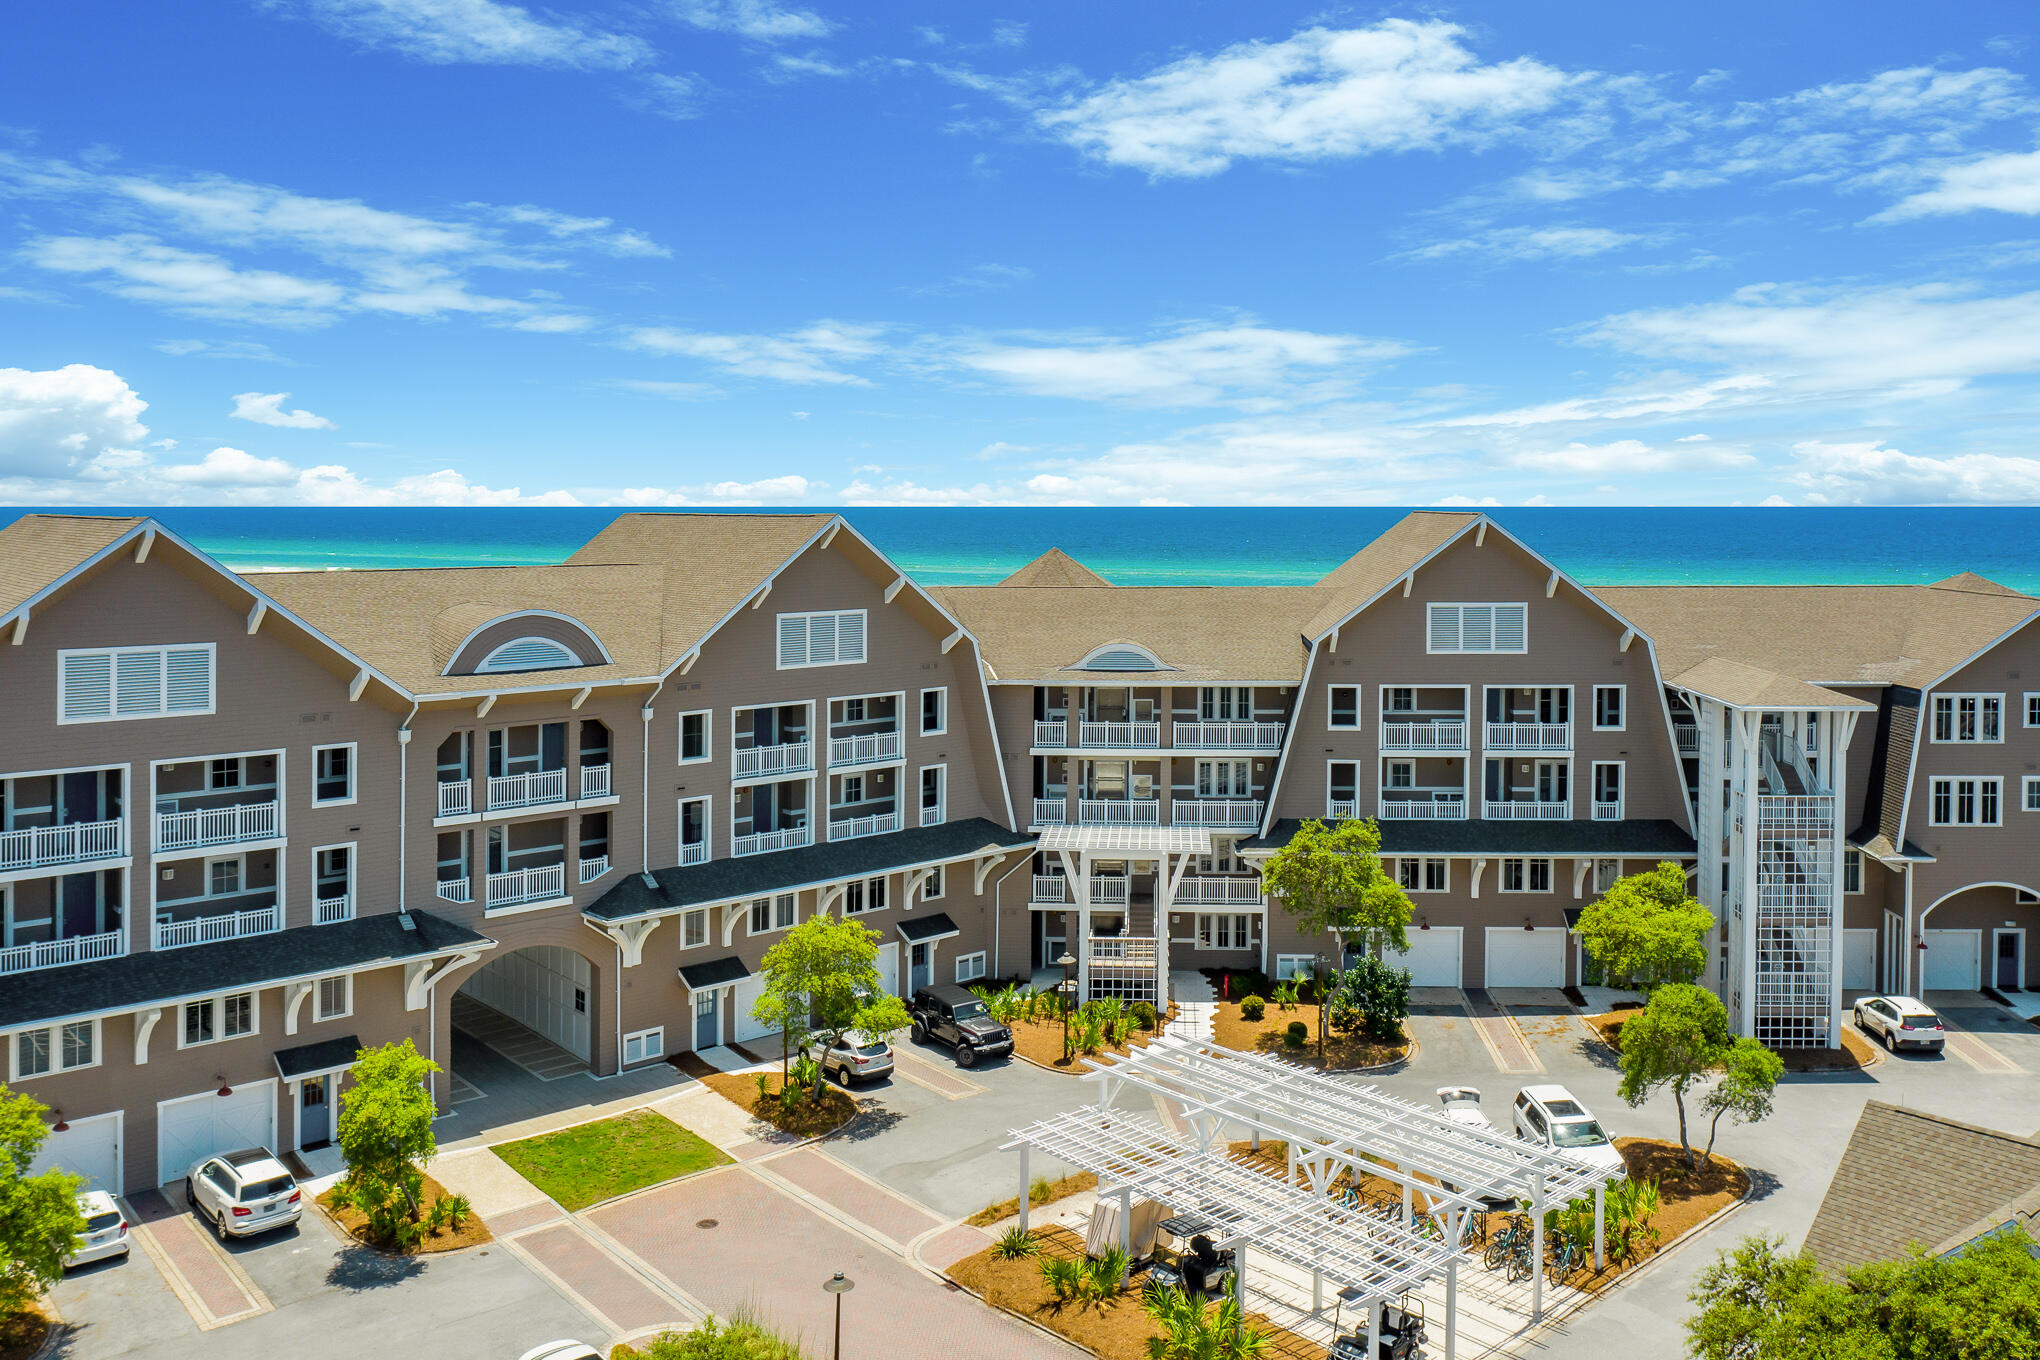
(508, 644)
(1122, 656)
(528, 654)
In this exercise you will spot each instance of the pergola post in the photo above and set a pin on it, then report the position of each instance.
(1126, 1233)
(1023, 1187)
(1600, 1228)
(1317, 1292)
(1537, 1251)
(1451, 1307)
(1405, 1200)
(1239, 1289)
(1373, 1327)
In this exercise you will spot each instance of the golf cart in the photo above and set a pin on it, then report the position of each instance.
(1402, 1334)
(1462, 1106)
(1184, 1257)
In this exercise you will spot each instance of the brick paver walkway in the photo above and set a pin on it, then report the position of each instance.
(829, 1181)
(599, 1282)
(203, 1276)
(1497, 1030)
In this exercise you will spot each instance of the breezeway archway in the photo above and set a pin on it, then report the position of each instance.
(1979, 935)
(534, 1006)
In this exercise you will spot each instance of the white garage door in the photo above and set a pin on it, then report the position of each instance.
(199, 1126)
(1525, 958)
(748, 992)
(1859, 959)
(889, 968)
(544, 988)
(88, 1148)
(1953, 958)
(1433, 959)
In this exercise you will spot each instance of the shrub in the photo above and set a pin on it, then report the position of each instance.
(1014, 1244)
(738, 1339)
(1144, 1012)
(458, 1208)
(1252, 1008)
(1297, 1035)
(1063, 1276)
(1379, 993)
(1104, 1275)
(1284, 996)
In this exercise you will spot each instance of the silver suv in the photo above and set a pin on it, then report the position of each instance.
(245, 1192)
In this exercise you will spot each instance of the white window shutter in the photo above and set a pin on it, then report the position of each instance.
(87, 681)
(190, 680)
(138, 683)
(821, 639)
(1511, 625)
(1476, 628)
(1444, 628)
(850, 636)
(793, 643)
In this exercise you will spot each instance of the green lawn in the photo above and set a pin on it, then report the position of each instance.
(589, 1163)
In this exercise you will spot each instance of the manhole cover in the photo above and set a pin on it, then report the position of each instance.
(704, 1223)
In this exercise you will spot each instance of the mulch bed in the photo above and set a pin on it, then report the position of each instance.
(1855, 1052)
(1041, 1043)
(1040, 1193)
(1118, 1330)
(809, 1119)
(1343, 1052)
(22, 1335)
(471, 1233)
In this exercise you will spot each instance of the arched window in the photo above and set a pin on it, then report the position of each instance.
(1121, 656)
(528, 654)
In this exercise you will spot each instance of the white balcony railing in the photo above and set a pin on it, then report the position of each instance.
(1228, 736)
(1423, 810)
(1054, 732)
(1051, 811)
(48, 846)
(851, 828)
(527, 885)
(694, 852)
(231, 925)
(1342, 809)
(931, 816)
(1231, 892)
(1448, 735)
(1123, 952)
(1120, 736)
(1607, 809)
(762, 842)
(1689, 738)
(1108, 892)
(594, 867)
(203, 828)
(1235, 812)
(536, 789)
(1526, 811)
(456, 797)
(26, 958)
(595, 781)
(1532, 736)
(332, 910)
(455, 890)
(1050, 888)
(871, 749)
(1119, 812)
(791, 757)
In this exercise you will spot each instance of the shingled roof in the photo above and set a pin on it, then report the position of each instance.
(37, 550)
(1911, 1177)
(1055, 568)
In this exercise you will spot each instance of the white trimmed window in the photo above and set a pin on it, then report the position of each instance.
(116, 684)
(335, 997)
(1225, 703)
(55, 1048)
(934, 712)
(1342, 708)
(1432, 874)
(528, 654)
(1606, 874)
(863, 894)
(2032, 709)
(771, 914)
(1526, 875)
(2029, 792)
(1461, 628)
(970, 967)
(694, 733)
(933, 887)
(1225, 930)
(694, 928)
(217, 1017)
(934, 794)
(1965, 800)
(1852, 871)
(824, 638)
(644, 1045)
(1968, 717)
(1608, 715)
(332, 775)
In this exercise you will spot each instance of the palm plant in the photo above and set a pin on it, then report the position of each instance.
(1063, 1276)
(1015, 1244)
(1193, 1328)
(1105, 1275)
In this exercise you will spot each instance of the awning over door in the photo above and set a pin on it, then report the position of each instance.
(922, 929)
(1572, 917)
(699, 977)
(309, 1060)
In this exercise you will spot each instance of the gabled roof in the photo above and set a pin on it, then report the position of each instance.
(1908, 1176)
(37, 551)
(1743, 686)
(1055, 568)
(1383, 562)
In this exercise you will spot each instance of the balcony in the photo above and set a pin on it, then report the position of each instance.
(1444, 737)
(232, 925)
(1530, 736)
(1228, 736)
(456, 798)
(595, 781)
(771, 762)
(594, 867)
(1119, 812)
(1108, 892)
(1423, 810)
(874, 748)
(333, 910)
(1607, 809)
(455, 890)
(1120, 736)
(50, 847)
(763, 842)
(1219, 892)
(1342, 809)
(1051, 811)
(1526, 810)
(1054, 733)
(1688, 735)
(1050, 889)
(693, 852)
(519, 886)
(26, 958)
(853, 828)
(1123, 953)
(205, 828)
(1218, 812)
(538, 788)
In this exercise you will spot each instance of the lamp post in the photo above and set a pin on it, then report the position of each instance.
(838, 1286)
(1317, 983)
(1067, 992)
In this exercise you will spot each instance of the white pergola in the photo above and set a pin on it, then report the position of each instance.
(1369, 1259)
(1169, 848)
(1331, 1124)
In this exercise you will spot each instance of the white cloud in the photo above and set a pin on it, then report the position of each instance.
(136, 267)
(1530, 243)
(54, 420)
(788, 67)
(247, 350)
(1870, 474)
(1631, 402)
(789, 489)
(671, 391)
(600, 232)
(669, 96)
(266, 408)
(226, 467)
(809, 355)
(2009, 183)
(1010, 33)
(753, 19)
(446, 32)
(1629, 456)
(1396, 86)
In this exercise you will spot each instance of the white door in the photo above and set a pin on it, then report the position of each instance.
(88, 1148)
(1953, 960)
(748, 992)
(1525, 958)
(1859, 959)
(889, 968)
(192, 1127)
(544, 988)
(1434, 957)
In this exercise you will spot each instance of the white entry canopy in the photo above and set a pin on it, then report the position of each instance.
(1134, 842)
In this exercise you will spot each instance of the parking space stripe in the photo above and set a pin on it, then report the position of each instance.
(1976, 1052)
(921, 1072)
(1504, 1038)
(848, 1196)
(206, 1280)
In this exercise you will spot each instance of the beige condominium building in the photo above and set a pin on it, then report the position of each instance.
(249, 824)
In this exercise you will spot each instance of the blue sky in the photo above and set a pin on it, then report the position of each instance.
(728, 252)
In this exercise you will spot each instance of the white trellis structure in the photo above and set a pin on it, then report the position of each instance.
(1136, 968)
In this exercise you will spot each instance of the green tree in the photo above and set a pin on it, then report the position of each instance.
(1330, 881)
(39, 1219)
(1749, 1078)
(1669, 1045)
(385, 1136)
(1647, 930)
(1378, 993)
(821, 979)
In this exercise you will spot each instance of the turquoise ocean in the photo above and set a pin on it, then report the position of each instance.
(1199, 546)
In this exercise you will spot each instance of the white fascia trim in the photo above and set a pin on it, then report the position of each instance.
(607, 659)
(960, 857)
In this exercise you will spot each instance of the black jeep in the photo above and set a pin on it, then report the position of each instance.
(953, 1015)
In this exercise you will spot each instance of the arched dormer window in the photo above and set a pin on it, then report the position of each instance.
(528, 654)
(1122, 656)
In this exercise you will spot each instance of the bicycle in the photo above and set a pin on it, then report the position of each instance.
(1562, 1260)
(1501, 1245)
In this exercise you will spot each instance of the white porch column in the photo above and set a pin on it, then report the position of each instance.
(1537, 1252)
(1023, 1187)
(1600, 1226)
(1373, 1327)
(1451, 1307)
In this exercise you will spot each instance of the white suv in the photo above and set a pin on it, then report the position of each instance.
(245, 1192)
(1550, 1117)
